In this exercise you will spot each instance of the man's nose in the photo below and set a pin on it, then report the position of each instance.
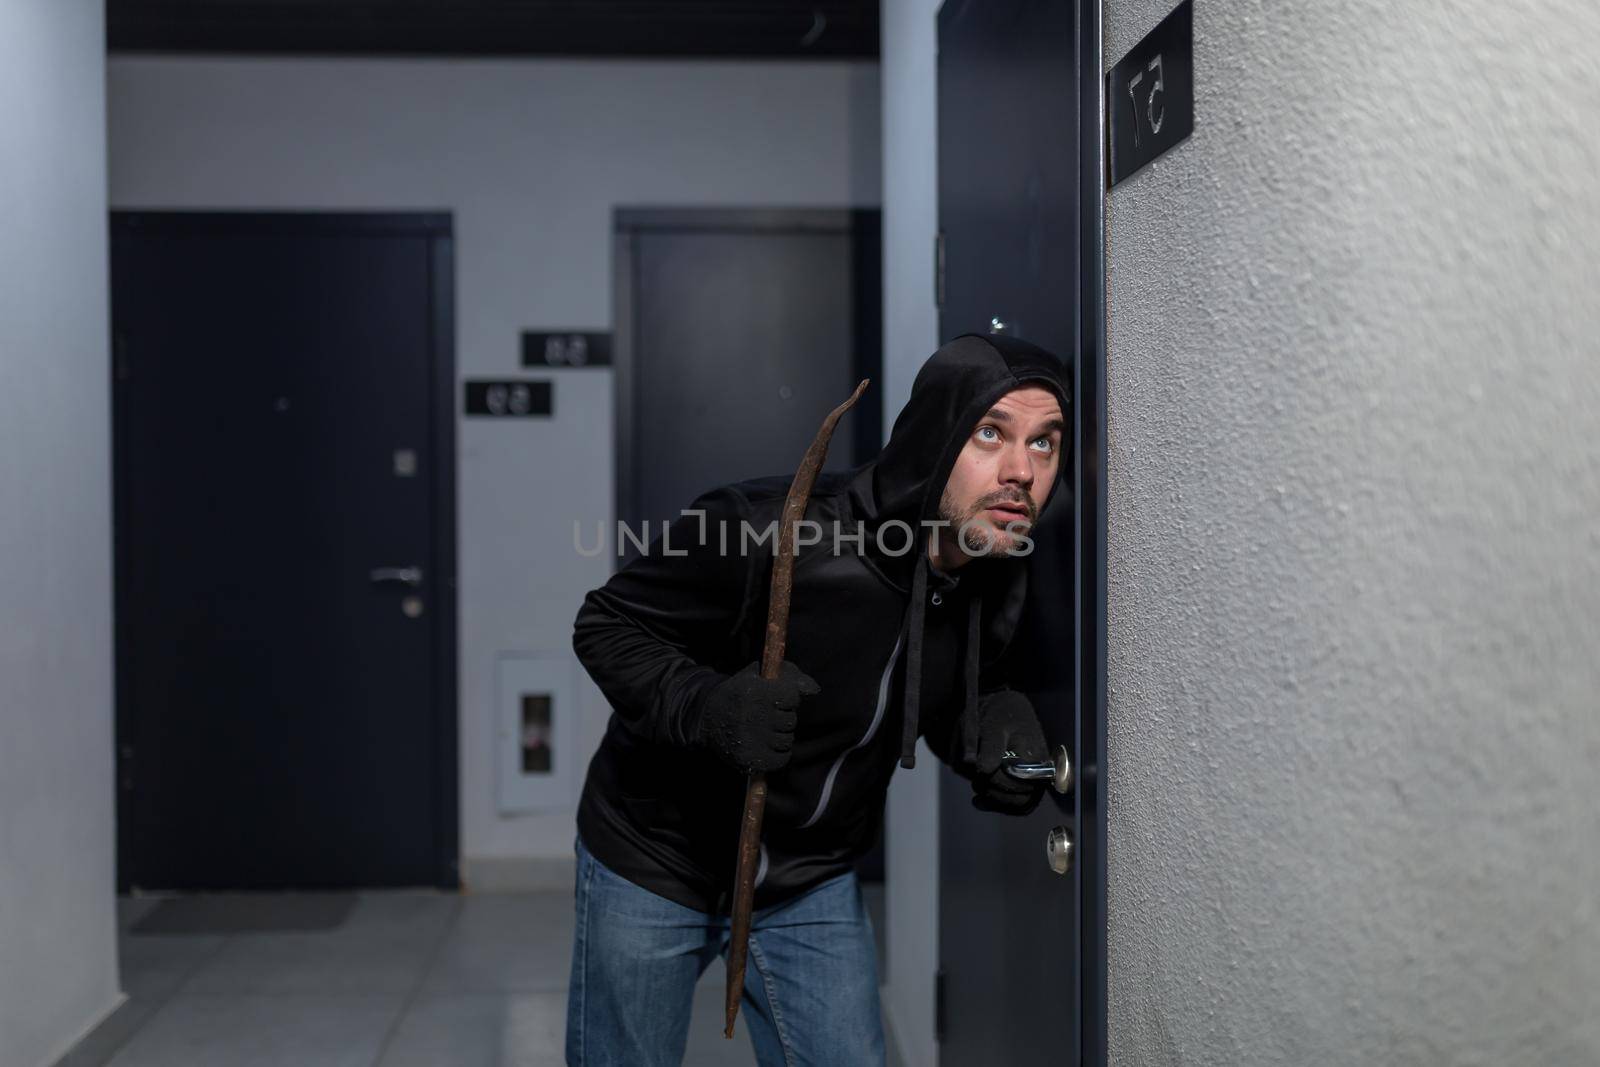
(1016, 468)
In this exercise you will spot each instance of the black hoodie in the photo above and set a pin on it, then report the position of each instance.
(679, 619)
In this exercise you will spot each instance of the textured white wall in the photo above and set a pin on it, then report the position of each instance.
(58, 967)
(531, 156)
(1355, 543)
(910, 334)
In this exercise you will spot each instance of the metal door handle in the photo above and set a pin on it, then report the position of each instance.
(404, 575)
(1058, 772)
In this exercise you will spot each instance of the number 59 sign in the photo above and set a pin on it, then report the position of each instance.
(1150, 94)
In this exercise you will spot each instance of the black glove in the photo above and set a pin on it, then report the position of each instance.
(1006, 723)
(749, 722)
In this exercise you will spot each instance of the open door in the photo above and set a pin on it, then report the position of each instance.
(1022, 941)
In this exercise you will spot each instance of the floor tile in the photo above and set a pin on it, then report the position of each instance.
(481, 1030)
(101, 1043)
(300, 1030)
(382, 948)
(506, 943)
(422, 979)
(155, 965)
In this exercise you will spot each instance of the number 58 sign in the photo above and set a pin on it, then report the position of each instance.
(1150, 94)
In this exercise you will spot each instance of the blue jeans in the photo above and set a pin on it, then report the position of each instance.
(810, 989)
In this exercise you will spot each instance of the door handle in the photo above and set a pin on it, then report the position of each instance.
(1058, 772)
(411, 575)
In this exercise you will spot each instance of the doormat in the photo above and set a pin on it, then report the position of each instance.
(247, 913)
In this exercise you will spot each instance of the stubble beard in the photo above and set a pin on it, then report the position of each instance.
(981, 538)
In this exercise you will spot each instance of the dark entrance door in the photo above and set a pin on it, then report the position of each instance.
(1022, 947)
(738, 331)
(285, 550)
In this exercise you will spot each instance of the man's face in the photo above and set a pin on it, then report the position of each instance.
(1004, 472)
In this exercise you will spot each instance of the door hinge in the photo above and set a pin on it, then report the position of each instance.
(938, 1006)
(938, 270)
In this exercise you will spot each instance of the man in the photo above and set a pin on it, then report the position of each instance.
(906, 591)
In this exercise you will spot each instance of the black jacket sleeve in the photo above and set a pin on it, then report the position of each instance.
(650, 635)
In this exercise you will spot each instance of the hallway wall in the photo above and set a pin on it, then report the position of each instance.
(58, 967)
(1354, 561)
(531, 156)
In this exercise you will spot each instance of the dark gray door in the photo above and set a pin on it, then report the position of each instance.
(739, 331)
(285, 550)
(1018, 949)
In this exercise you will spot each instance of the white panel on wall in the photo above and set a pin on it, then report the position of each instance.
(538, 750)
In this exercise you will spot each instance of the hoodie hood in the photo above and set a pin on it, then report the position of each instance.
(954, 389)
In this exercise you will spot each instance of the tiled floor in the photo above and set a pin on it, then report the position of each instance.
(410, 979)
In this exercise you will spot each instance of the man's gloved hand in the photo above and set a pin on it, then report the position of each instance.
(749, 722)
(1007, 723)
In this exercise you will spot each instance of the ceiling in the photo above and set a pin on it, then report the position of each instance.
(773, 29)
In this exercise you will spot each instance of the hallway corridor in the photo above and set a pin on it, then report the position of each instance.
(390, 979)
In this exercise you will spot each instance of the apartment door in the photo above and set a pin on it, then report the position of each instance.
(1021, 941)
(738, 330)
(285, 550)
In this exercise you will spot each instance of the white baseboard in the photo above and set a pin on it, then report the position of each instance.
(107, 1019)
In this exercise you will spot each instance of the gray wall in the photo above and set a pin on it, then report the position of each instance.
(531, 156)
(910, 334)
(1354, 559)
(58, 968)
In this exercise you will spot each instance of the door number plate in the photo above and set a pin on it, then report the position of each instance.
(1150, 94)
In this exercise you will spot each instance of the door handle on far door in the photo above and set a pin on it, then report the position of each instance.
(411, 575)
(1057, 772)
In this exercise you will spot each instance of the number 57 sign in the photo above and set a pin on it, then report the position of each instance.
(1150, 94)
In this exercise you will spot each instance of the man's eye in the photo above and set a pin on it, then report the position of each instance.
(987, 433)
(1045, 444)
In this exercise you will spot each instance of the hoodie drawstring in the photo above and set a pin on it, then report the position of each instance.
(913, 686)
(913, 676)
(969, 709)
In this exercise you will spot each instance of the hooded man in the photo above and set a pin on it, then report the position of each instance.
(906, 592)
